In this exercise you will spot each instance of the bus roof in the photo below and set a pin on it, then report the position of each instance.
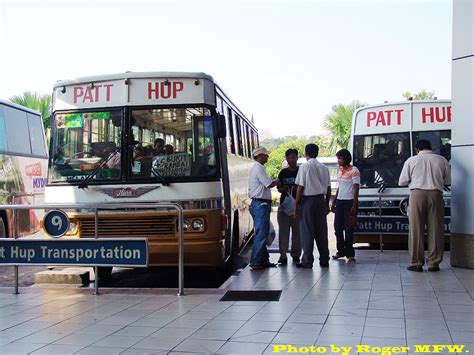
(19, 107)
(133, 75)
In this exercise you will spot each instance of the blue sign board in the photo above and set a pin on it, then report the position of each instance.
(56, 223)
(388, 225)
(79, 252)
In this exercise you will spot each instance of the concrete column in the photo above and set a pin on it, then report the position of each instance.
(462, 151)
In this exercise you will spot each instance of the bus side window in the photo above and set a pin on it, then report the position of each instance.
(17, 127)
(3, 132)
(238, 125)
(230, 136)
(38, 145)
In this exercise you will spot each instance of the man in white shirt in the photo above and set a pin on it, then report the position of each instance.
(260, 208)
(312, 203)
(425, 174)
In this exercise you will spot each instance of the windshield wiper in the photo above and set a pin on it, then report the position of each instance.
(155, 172)
(84, 183)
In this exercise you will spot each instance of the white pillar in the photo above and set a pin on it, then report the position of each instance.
(462, 151)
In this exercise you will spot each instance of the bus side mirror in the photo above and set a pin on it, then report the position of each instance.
(221, 130)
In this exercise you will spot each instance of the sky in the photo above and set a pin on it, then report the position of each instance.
(285, 62)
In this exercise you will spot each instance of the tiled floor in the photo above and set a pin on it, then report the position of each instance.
(375, 302)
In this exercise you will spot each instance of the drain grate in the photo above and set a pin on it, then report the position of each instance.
(252, 296)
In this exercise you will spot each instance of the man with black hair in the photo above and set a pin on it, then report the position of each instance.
(425, 174)
(286, 219)
(312, 203)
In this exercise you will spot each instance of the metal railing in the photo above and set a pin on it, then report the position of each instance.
(106, 207)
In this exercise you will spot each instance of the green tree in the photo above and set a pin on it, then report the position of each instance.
(339, 122)
(422, 95)
(277, 156)
(41, 103)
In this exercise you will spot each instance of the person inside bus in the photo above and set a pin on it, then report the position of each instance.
(159, 147)
(169, 149)
(286, 219)
(345, 205)
(425, 174)
(260, 208)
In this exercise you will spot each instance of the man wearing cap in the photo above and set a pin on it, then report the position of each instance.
(312, 203)
(260, 208)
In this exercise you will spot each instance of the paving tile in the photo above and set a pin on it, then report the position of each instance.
(137, 331)
(80, 339)
(158, 343)
(232, 347)
(253, 336)
(384, 332)
(337, 329)
(199, 345)
(262, 325)
(345, 320)
(385, 322)
(19, 348)
(297, 328)
(173, 332)
(118, 341)
(295, 338)
(213, 334)
(223, 324)
(98, 350)
(307, 318)
(57, 349)
(136, 351)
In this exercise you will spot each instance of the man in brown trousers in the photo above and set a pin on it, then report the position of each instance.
(425, 174)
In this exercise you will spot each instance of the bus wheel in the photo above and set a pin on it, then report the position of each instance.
(3, 227)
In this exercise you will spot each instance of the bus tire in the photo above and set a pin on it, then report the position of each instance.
(3, 225)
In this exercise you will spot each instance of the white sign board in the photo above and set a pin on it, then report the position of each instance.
(134, 91)
(403, 117)
(383, 119)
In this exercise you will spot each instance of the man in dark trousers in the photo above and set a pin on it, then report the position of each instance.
(425, 174)
(312, 206)
(286, 219)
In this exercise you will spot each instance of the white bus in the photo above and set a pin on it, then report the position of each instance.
(383, 137)
(150, 137)
(23, 167)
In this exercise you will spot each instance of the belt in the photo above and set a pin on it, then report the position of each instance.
(261, 200)
(321, 195)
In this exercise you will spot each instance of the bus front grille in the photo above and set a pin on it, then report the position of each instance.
(131, 226)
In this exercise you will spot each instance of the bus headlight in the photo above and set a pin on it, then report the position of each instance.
(73, 228)
(198, 225)
(185, 225)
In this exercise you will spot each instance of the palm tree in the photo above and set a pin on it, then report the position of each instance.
(41, 103)
(339, 122)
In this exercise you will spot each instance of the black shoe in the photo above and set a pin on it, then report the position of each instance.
(416, 268)
(257, 267)
(337, 256)
(303, 266)
(269, 264)
(296, 259)
(433, 269)
(283, 261)
(324, 264)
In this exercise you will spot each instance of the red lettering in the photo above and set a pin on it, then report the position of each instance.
(399, 116)
(96, 87)
(165, 88)
(88, 95)
(370, 117)
(448, 109)
(152, 90)
(425, 115)
(389, 117)
(177, 86)
(107, 91)
(78, 92)
(380, 119)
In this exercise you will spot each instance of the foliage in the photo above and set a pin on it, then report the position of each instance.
(339, 122)
(41, 103)
(422, 95)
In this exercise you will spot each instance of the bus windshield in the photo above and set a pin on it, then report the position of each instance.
(380, 158)
(171, 143)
